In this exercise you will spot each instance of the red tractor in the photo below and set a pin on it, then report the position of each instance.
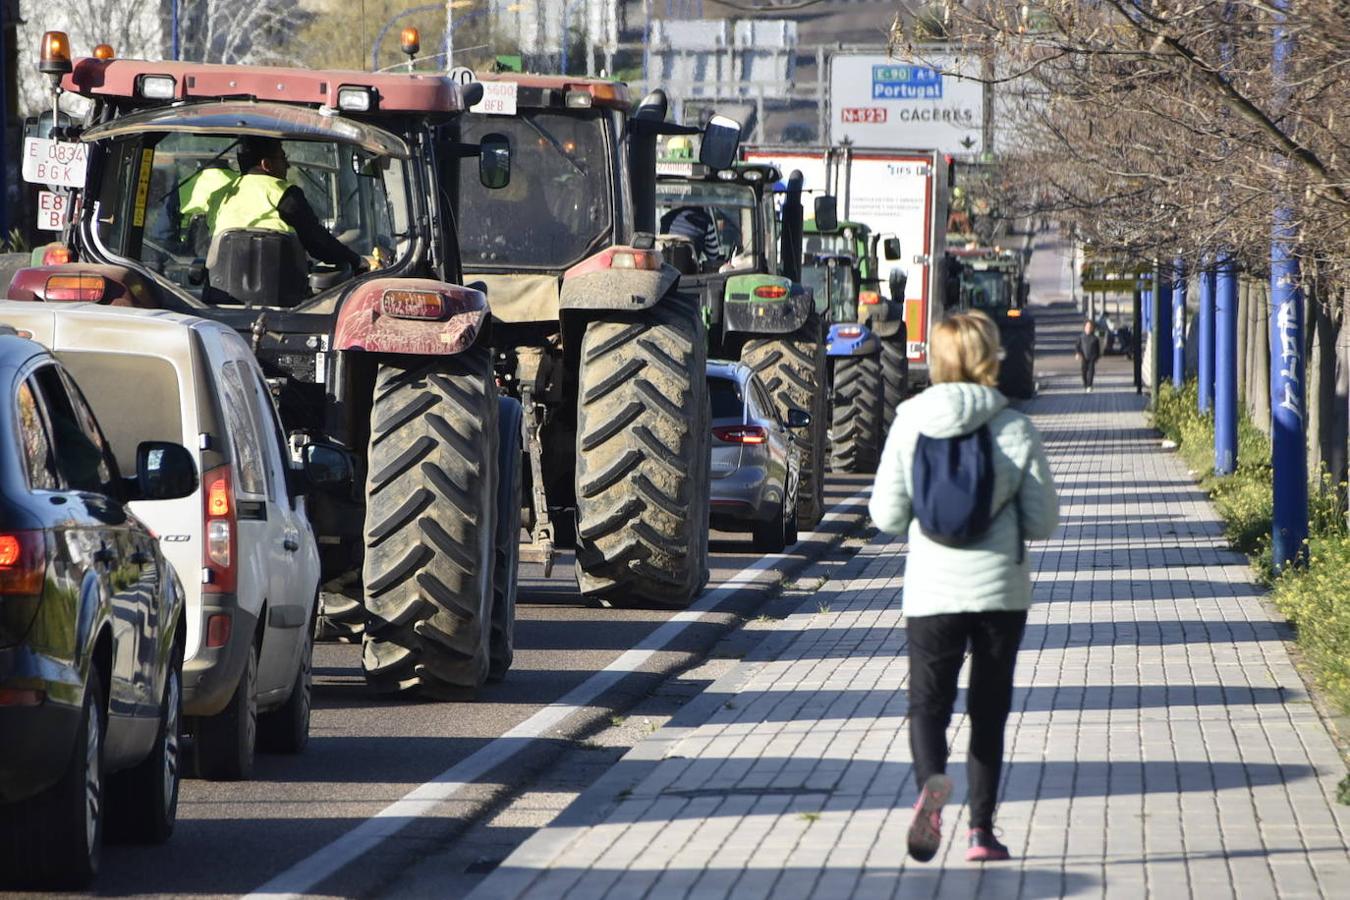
(383, 351)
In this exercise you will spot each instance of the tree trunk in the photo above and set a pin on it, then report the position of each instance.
(1243, 338)
(1261, 358)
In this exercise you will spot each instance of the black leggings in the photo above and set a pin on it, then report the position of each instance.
(1089, 371)
(937, 647)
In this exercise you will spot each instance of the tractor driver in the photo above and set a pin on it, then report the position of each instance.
(262, 199)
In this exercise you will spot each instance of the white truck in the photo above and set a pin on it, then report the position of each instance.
(896, 192)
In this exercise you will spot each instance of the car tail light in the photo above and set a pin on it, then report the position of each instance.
(218, 628)
(1014, 313)
(21, 697)
(56, 255)
(219, 557)
(849, 331)
(741, 434)
(771, 292)
(23, 563)
(85, 288)
(869, 298)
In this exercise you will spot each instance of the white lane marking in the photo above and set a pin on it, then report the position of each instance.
(422, 800)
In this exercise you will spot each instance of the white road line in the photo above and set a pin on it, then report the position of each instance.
(422, 800)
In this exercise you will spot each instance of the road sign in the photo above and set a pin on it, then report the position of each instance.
(54, 163)
(53, 210)
(880, 101)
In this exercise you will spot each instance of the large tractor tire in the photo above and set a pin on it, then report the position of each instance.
(894, 377)
(506, 555)
(643, 456)
(856, 426)
(431, 499)
(793, 370)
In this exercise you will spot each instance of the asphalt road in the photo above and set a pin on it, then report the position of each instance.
(277, 832)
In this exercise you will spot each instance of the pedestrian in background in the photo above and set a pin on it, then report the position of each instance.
(966, 479)
(1088, 350)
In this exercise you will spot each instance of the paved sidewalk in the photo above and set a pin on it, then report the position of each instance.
(1161, 741)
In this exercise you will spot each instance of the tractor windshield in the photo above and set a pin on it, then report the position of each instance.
(732, 208)
(558, 207)
(987, 289)
(834, 281)
(836, 242)
(166, 191)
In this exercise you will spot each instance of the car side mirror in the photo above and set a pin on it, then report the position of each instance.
(494, 161)
(827, 213)
(890, 248)
(327, 467)
(164, 471)
(721, 141)
(798, 418)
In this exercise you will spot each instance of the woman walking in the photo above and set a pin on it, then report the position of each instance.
(965, 478)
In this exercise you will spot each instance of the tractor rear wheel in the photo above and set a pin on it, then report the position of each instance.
(793, 370)
(894, 377)
(431, 498)
(856, 426)
(643, 456)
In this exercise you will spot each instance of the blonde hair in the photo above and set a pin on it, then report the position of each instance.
(964, 347)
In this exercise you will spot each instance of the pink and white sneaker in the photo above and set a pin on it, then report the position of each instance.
(925, 832)
(984, 847)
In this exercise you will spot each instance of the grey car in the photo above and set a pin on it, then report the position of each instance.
(756, 462)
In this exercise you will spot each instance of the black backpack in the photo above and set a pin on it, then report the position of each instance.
(954, 487)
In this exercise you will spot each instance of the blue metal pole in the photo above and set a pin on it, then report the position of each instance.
(1204, 368)
(1287, 443)
(1178, 324)
(1162, 317)
(177, 48)
(1289, 525)
(1225, 366)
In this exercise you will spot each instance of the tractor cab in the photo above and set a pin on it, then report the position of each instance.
(735, 234)
(991, 280)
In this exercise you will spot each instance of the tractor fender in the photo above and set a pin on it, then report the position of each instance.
(765, 304)
(617, 278)
(886, 328)
(108, 285)
(410, 316)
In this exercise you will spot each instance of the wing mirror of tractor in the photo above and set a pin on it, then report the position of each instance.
(827, 213)
(164, 471)
(798, 418)
(891, 248)
(494, 161)
(721, 141)
(327, 467)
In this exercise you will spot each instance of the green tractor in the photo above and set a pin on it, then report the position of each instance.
(736, 237)
(866, 345)
(993, 280)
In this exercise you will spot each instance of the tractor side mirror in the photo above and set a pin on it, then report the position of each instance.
(827, 213)
(494, 161)
(721, 141)
(890, 248)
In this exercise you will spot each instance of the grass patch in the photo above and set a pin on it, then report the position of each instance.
(1311, 597)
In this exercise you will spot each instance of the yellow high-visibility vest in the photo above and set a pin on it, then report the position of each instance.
(252, 203)
(202, 194)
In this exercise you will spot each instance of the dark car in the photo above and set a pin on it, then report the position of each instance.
(756, 463)
(91, 631)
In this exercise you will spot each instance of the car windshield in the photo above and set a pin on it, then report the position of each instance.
(732, 207)
(725, 396)
(557, 208)
(165, 215)
(986, 289)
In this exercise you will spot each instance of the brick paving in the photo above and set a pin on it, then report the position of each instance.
(1161, 741)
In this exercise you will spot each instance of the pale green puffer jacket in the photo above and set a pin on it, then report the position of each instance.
(986, 575)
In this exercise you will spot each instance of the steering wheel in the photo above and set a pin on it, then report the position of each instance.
(323, 277)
